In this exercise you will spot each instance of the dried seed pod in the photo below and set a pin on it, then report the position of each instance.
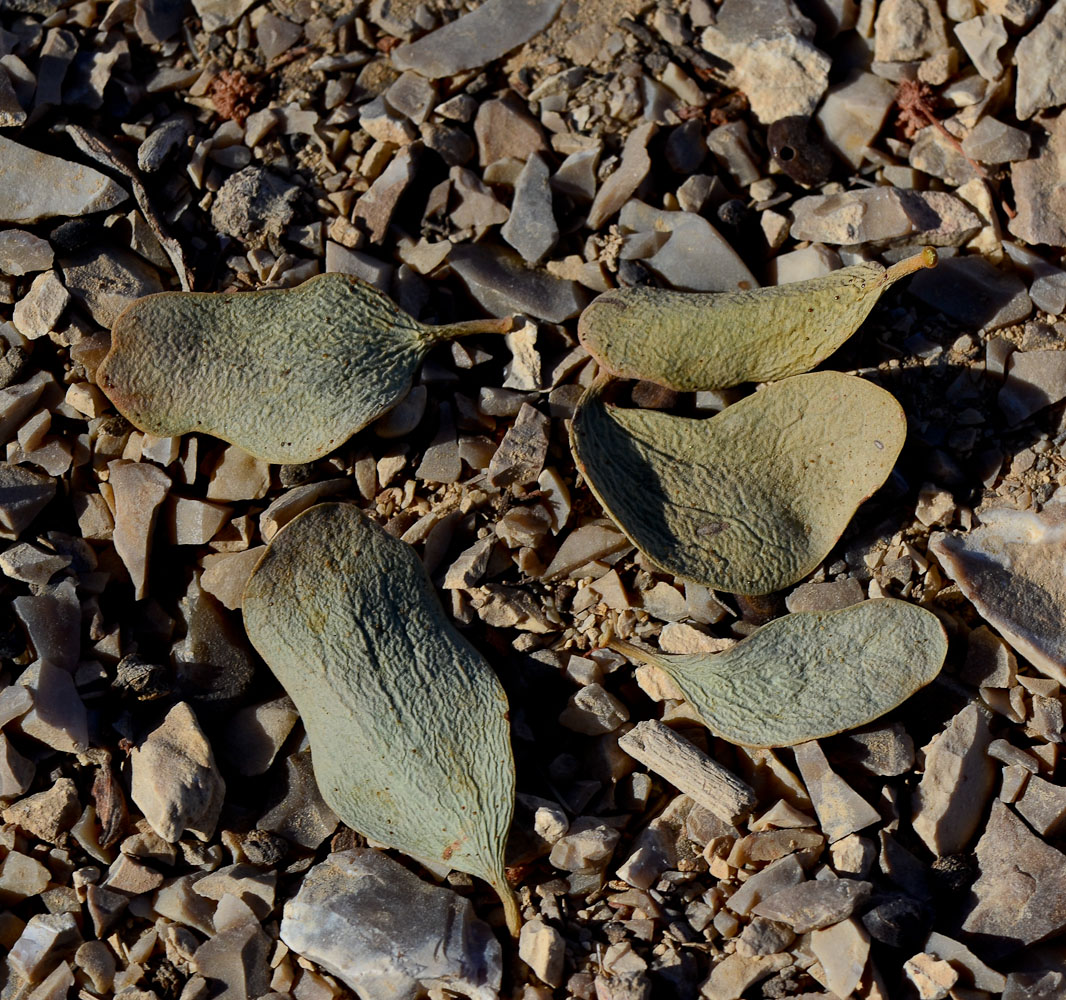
(692, 341)
(809, 674)
(286, 374)
(408, 724)
(752, 499)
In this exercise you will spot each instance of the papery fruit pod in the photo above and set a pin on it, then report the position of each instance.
(408, 724)
(810, 674)
(696, 341)
(286, 374)
(752, 499)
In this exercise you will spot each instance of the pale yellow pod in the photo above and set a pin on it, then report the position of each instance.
(408, 724)
(286, 374)
(693, 341)
(752, 499)
(811, 674)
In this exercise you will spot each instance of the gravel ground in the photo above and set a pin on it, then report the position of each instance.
(163, 835)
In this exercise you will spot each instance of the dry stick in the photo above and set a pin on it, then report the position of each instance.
(689, 769)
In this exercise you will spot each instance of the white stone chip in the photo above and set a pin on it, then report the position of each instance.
(384, 932)
(176, 783)
(542, 948)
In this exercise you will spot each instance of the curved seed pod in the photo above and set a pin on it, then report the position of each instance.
(809, 674)
(407, 723)
(286, 374)
(752, 499)
(688, 341)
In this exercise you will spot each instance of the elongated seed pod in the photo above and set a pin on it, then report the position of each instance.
(691, 341)
(408, 724)
(286, 374)
(809, 674)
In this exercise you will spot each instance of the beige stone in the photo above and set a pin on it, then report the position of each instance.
(139, 489)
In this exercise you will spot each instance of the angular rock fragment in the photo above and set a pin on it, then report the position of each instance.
(47, 814)
(992, 141)
(226, 574)
(1038, 192)
(812, 905)
(375, 208)
(973, 972)
(23, 494)
(774, 878)
(1035, 380)
(139, 489)
(476, 38)
(531, 228)
(256, 734)
(957, 783)
(300, 814)
(907, 30)
(841, 810)
(23, 253)
(543, 949)
(239, 957)
(1020, 896)
(105, 281)
(254, 205)
(1010, 567)
(38, 311)
(695, 257)
(46, 938)
(384, 932)
(586, 846)
(16, 776)
(52, 619)
(212, 661)
(500, 280)
(982, 38)
(767, 46)
(842, 949)
(975, 292)
(58, 717)
(853, 113)
(35, 186)
(176, 783)
(520, 456)
(1041, 61)
(620, 186)
(504, 129)
(1043, 805)
(731, 977)
(884, 217)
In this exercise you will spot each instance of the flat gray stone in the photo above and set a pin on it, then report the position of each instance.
(982, 38)
(35, 186)
(23, 495)
(11, 112)
(852, 113)
(1039, 194)
(23, 253)
(477, 38)
(385, 933)
(502, 282)
(375, 207)
(217, 14)
(105, 281)
(992, 141)
(695, 257)
(818, 903)
(1041, 61)
(973, 291)
(1047, 288)
(531, 227)
(1035, 379)
(1020, 896)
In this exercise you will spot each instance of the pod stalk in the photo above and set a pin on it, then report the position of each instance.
(927, 258)
(468, 328)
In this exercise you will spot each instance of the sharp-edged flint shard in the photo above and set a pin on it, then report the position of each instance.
(477, 38)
